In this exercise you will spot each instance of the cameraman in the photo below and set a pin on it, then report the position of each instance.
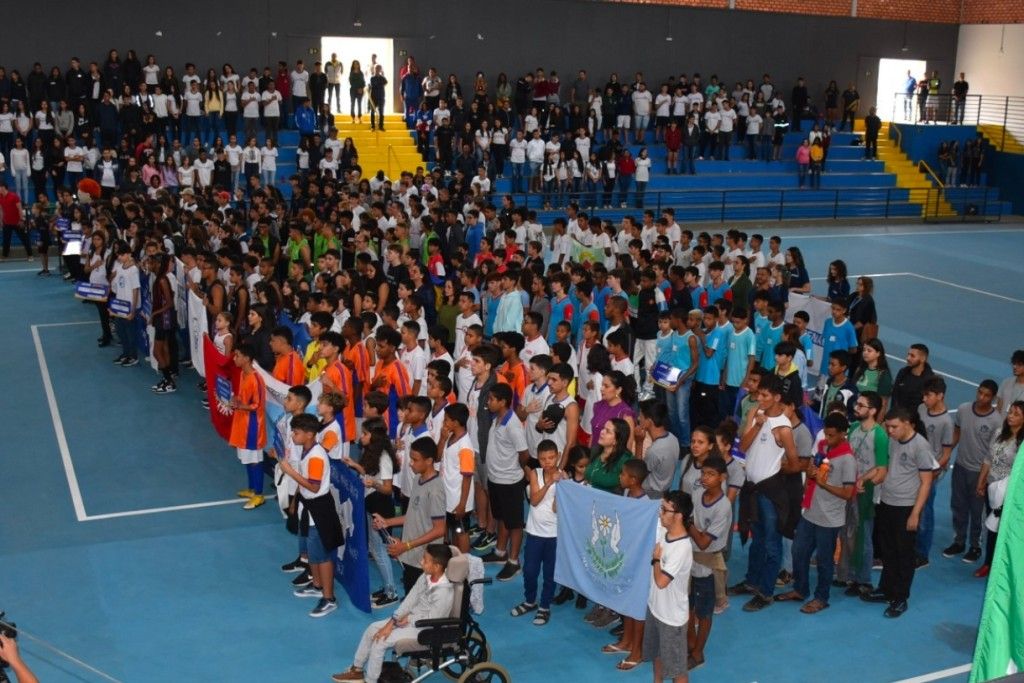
(9, 653)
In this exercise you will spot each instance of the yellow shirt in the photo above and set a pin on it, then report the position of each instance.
(316, 369)
(817, 153)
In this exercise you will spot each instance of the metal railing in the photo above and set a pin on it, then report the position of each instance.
(1007, 112)
(720, 206)
(923, 166)
(393, 157)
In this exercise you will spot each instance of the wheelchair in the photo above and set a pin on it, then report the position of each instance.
(454, 645)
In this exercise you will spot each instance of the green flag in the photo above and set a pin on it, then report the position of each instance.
(1000, 647)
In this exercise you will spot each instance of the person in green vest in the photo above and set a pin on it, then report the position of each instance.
(297, 246)
(323, 240)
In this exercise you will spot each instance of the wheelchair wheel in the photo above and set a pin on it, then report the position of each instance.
(487, 672)
(477, 651)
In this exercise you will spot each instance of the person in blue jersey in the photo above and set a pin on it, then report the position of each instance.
(561, 306)
(691, 279)
(770, 335)
(740, 355)
(704, 400)
(474, 234)
(717, 287)
(838, 333)
(588, 311)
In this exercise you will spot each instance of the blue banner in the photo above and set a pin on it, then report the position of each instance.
(120, 308)
(146, 309)
(604, 546)
(63, 225)
(90, 292)
(352, 569)
(300, 335)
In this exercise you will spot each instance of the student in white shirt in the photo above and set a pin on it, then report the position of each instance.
(268, 163)
(271, 100)
(251, 110)
(234, 154)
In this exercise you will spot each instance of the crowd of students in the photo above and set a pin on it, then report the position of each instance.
(471, 360)
(465, 394)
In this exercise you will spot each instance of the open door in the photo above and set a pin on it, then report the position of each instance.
(891, 100)
(364, 51)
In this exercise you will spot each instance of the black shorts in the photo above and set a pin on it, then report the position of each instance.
(44, 238)
(662, 121)
(702, 596)
(507, 503)
(456, 525)
(162, 334)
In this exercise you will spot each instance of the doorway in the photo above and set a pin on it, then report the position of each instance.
(892, 104)
(364, 51)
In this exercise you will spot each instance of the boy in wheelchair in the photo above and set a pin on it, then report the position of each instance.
(430, 598)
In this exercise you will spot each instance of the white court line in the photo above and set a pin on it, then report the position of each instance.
(171, 508)
(18, 270)
(65, 452)
(969, 289)
(80, 322)
(935, 280)
(826, 236)
(938, 675)
(58, 428)
(969, 383)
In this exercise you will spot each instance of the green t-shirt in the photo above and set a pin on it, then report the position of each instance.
(606, 478)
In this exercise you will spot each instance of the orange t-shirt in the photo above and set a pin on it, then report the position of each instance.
(341, 380)
(518, 382)
(290, 369)
(395, 384)
(248, 428)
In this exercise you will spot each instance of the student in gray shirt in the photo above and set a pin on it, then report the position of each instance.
(424, 521)
(974, 426)
(904, 491)
(828, 489)
(663, 453)
(938, 425)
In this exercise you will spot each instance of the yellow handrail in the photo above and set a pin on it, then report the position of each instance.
(899, 135)
(929, 171)
(393, 153)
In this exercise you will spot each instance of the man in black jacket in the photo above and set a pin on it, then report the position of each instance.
(908, 386)
(799, 101)
(872, 125)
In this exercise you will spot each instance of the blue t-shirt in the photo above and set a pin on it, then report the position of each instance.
(473, 237)
(760, 322)
(742, 345)
(695, 295)
(600, 298)
(837, 337)
(716, 293)
(664, 344)
(710, 369)
(766, 341)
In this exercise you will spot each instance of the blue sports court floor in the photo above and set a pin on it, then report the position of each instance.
(120, 541)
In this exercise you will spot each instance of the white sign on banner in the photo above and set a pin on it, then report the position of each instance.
(197, 327)
(819, 311)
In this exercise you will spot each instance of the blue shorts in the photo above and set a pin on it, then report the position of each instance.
(702, 595)
(318, 554)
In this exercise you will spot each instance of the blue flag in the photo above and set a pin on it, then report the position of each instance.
(352, 569)
(300, 335)
(604, 546)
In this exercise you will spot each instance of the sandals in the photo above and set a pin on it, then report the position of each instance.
(789, 596)
(613, 649)
(814, 606)
(542, 617)
(523, 608)
(627, 665)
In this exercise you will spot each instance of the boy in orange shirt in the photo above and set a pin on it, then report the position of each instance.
(391, 378)
(288, 365)
(248, 426)
(513, 370)
(337, 379)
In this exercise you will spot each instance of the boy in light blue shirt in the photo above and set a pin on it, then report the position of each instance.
(770, 335)
(741, 354)
(838, 333)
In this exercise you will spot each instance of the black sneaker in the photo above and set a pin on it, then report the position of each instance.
(296, 565)
(896, 609)
(376, 594)
(129, 362)
(485, 541)
(303, 579)
(120, 359)
(972, 555)
(494, 558)
(509, 571)
(920, 563)
(953, 550)
(383, 601)
(167, 388)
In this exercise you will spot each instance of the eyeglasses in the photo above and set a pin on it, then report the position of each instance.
(667, 511)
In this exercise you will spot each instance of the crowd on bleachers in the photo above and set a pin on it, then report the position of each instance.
(464, 333)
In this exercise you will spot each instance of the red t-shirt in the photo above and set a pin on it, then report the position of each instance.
(10, 205)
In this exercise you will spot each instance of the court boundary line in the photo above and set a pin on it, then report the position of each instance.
(938, 675)
(936, 280)
(75, 490)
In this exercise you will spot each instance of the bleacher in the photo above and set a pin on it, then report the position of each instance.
(738, 189)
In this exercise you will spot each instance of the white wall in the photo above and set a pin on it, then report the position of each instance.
(992, 57)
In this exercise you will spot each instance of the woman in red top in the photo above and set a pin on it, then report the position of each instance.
(626, 167)
(673, 143)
